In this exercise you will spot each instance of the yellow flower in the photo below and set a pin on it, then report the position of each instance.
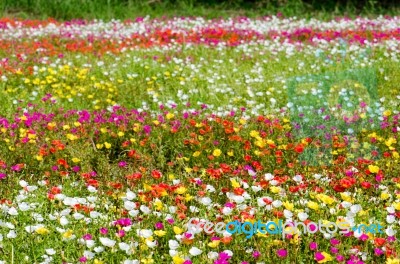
(288, 205)
(77, 124)
(373, 168)
(188, 197)
(72, 137)
(67, 234)
(42, 231)
(274, 189)
(387, 113)
(170, 116)
(327, 257)
(254, 133)
(392, 261)
(313, 205)
(217, 152)
(75, 160)
(396, 206)
(158, 204)
(108, 145)
(181, 190)
(99, 146)
(121, 134)
(234, 183)
(39, 157)
(177, 230)
(214, 243)
(346, 197)
(96, 261)
(160, 233)
(178, 259)
(384, 195)
(325, 199)
(196, 153)
(230, 153)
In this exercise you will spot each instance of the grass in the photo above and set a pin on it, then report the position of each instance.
(118, 9)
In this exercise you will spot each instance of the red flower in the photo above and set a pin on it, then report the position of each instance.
(299, 148)
(156, 174)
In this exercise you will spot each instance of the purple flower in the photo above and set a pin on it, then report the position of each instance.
(318, 256)
(378, 251)
(121, 233)
(123, 222)
(334, 250)
(122, 164)
(282, 253)
(76, 168)
(87, 237)
(334, 242)
(256, 254)
(2, 176)
(159, 225)
(82, 259)
(103, 231)
(313, 246)
(339, 258)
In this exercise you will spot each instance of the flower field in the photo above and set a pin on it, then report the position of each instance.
(114, 134)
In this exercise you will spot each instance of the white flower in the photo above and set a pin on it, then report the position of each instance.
(194, 251)
(129, 205)
(130, 195)
(94, 214)
(107, 242)
(277, 203)
(128, 261)
(88, 254)
(355, 208)
(24, 206)
(297, 178)
(90, 243)
(98, 249)
(64, 221)
(12, 211)
(173, 244)
(390, 219)
(205, 201)
(145, 233)
(78, 216)
(133, 213)
(212, 255)
(268, 176)
(50, 251)
(302, 216)
(124, 246)
(92, 189)
(145, 209)
(11, 234)
(390, 232)
(173, 252)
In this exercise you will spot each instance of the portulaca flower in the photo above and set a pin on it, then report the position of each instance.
(107, 242)
(194, 251)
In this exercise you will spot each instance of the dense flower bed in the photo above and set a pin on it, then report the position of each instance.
(113, 135)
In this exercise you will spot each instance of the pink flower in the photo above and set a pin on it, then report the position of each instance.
(313, 246)
(282, 253)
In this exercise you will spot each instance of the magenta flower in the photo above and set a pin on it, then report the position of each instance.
(82, 259)
(282, 253)
(121, 233)
(123, 222)
(318, 256)
(87, 237)
(103, 231)
(2, 176)
(256, 254)
(313, 246)
(159, 225)
(378, 251)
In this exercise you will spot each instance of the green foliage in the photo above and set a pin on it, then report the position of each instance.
(125, 9)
